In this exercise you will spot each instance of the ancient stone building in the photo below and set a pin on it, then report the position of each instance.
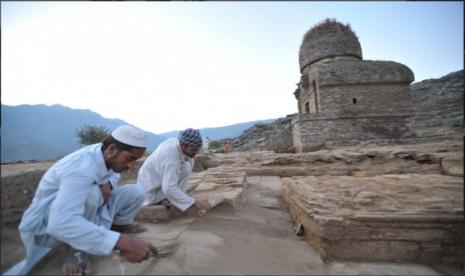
(343, 99)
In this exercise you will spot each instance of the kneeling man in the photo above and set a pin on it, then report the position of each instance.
(166, 172)
(77, 201)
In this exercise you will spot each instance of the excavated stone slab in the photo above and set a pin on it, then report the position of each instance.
(153, 214)
(408, 217)
(219, 187)
(369, 160)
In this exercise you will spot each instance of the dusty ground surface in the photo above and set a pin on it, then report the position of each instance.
(251, 230)
(257, 238)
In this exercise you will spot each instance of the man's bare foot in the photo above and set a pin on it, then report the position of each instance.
(76, 263)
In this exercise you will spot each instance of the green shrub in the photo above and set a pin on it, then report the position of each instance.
(89, 134)
(215, 144)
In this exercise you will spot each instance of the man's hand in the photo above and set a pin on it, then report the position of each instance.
(135, 250)
(106, 191)
(202, 205)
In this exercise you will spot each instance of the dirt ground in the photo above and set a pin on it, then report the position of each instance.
(256, 239)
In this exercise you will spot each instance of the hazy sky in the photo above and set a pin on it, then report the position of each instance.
(172, 65)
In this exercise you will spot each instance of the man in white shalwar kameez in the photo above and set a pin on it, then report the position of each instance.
(205, 145)
(77, 201)
(166, 172)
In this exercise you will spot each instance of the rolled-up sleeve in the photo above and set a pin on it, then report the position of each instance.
(67, 223)
(171, 190)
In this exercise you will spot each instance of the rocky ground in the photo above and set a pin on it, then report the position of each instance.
(439, 102)
(390, 210)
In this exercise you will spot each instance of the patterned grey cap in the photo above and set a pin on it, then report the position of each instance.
(190, 137)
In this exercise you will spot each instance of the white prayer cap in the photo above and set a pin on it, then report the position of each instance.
(131, 136)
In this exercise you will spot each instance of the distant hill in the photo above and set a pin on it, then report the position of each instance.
(44, 132)
(218, 133)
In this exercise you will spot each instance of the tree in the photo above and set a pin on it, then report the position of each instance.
(215, 144)
(89, 134)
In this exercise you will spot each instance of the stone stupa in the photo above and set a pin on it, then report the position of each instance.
(343, 99)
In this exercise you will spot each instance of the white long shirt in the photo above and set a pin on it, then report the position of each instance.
(165, 174)
(205, 145)
(59, 202)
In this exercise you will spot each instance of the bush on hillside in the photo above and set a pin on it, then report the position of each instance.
(90, 134)
(215, 144)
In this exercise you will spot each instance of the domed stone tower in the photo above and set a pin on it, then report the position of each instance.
(329, 39)
(343, 99)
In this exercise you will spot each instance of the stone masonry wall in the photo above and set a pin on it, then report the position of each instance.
(389, 100)
(361, 72)
(312, 130)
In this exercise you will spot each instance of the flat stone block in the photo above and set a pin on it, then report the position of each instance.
(153, 213)
(409, 217)
(452, 166)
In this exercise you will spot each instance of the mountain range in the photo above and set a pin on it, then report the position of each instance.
(218, 133)
(42, 132)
